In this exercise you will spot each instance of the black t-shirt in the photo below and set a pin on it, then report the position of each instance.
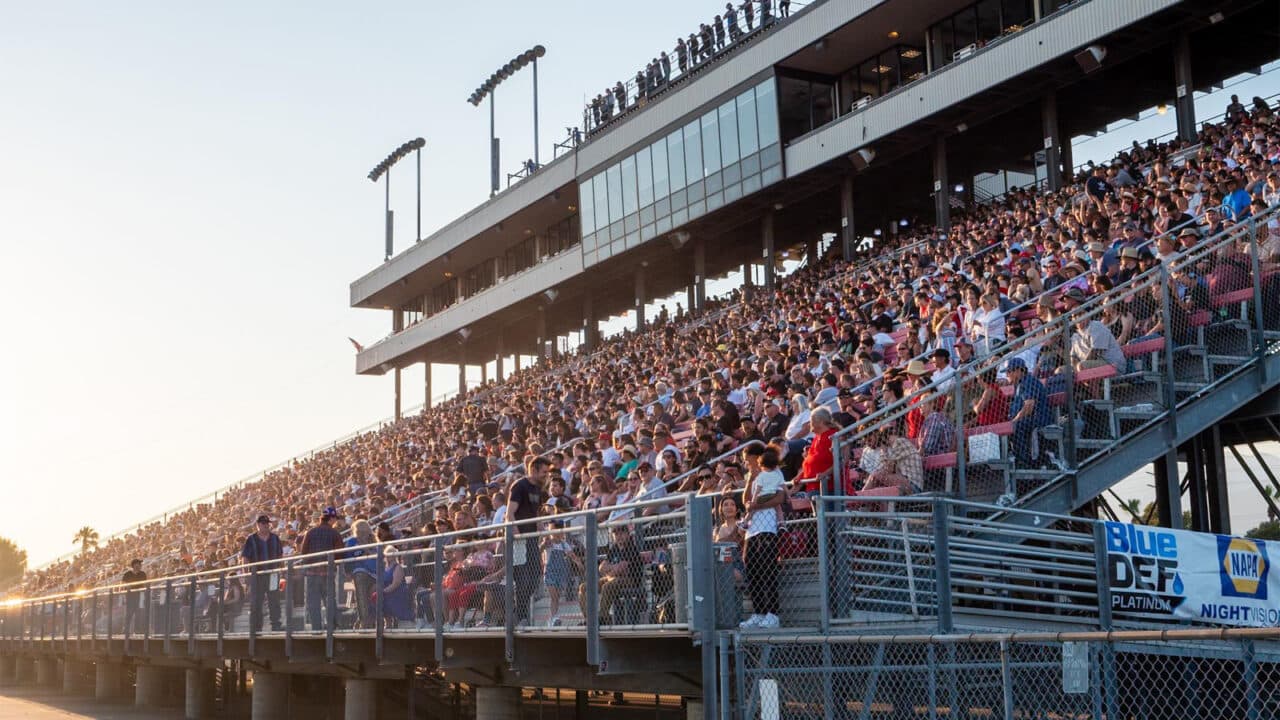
(626, 550)
(133, 577)
(474, 467)
(528, 498)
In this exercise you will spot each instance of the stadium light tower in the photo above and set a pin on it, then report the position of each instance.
(487, 88)
(384, 168)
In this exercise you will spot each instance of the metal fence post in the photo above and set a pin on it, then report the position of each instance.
(220, 620)
(1171, 377)
(962, 445)
(1259, 318)
(591, 586)
(437, 594)
(110, 602)
(824, 570)
(330, 602)
(508, 591)
(379, 626)
(287, 607)
(1250, 678)
(1069, 430)
(147, 605)
(702, 591)
(255, 607)
(93, 624)
(1102, 575)
(837, 468)
(942, 562)
(168, 616)
(192, 587)
(1006, 679)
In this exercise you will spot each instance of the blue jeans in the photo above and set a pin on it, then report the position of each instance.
(319, 590)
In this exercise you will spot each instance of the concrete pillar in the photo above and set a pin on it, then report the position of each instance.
(640, 297)
(397, 325)
(590, 326)
(270, 696)
(693, 709)
(766, 233)
(1183, 89)
(848, 236)
(541, 351)
(73, 676)
(941, 185)
(1052, 140)
(700, 273)
(426, 382)
(200, 687)
(47, 672)
(8, 670)
(152, 686)
(498, 370)
(106, 684)
(746, 281)
(497, 703)
(362, 699)
(690, 298)
(25, 670)
(484, 373)
(811, 252)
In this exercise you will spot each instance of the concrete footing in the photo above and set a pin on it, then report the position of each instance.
(74, 675)
(107, 678)
(24, 670)
(153, 686)
(270, 696)
(200, 688)
(498, 703)
(361, 699)
(47, 672)
(8, 670)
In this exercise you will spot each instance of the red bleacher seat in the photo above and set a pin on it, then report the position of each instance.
(1101, 372)
(941, 461)
(1004, 429)
(1134, 349)
(1231, 298)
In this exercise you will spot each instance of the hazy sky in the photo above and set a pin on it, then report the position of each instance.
(183, 204)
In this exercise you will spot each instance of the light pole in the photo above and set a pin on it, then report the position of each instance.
(487, 89)
(384, 168)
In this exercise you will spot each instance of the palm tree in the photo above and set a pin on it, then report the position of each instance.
(87, 538)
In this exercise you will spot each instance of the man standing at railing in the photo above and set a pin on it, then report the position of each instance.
(133, 598)
(319, 584)
(524, 503)
(264, 582)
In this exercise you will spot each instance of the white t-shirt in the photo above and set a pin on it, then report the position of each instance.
(767, 482)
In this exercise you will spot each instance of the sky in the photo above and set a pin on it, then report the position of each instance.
(184, 202)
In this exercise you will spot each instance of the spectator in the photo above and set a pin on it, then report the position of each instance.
(524, 504)
(392, 588)
(322, 538)
(764, 495)
(1028, 410)
(620, 571)
(364, 572)
(263, 546)
(132, 598)
(818, 461)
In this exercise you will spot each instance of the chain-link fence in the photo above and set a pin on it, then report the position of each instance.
(1178, 675)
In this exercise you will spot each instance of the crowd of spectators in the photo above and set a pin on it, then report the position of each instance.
(701, 46)
(689, 404)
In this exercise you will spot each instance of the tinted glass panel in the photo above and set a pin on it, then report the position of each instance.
(644, 175)
(710, 143)
(728, 133)
(661, 180)
(748, 140)
(585, 201)
(675, 159)
(692, 151)
(614, 177)
(629, 185)
(767, 112)
(601, 195)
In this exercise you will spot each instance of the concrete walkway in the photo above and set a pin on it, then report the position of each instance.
(29, 703)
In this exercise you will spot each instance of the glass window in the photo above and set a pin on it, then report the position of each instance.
(729, 133)
(988, 20)
(710, 143)
(767, 112)
(966, 27)
(613, 175)
(675, 158)
(601, 195)
(693, 151)
(628, 166)
(1016, 14)
(661, 181)
(887, 71)
(585, 201)
(644, 176)
(912, 64)
(748, 141)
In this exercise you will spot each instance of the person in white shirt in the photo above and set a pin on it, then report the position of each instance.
(989, 326)
(764, 495)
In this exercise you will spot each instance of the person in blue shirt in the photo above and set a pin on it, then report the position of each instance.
(1235, 203)
(1028, 409)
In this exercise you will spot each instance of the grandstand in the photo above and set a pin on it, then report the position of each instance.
(950, 401)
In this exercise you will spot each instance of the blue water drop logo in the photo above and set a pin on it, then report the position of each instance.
(1177, 584)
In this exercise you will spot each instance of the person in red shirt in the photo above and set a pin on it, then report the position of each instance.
(818, 460)
(992, 407)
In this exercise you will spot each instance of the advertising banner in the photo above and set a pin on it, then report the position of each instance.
(1186, 575)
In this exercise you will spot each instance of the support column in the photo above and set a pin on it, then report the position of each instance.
(24, 670)
(484, 373)
(1215, 472)
(426, 382)
(499, 371)
(462, 377)
(270, 696)
(690, 298)
(590, 327)
(640, 298)
(746, 281)
(397, 325)
(1168, 490)
(941, 185)
(47, 672)
(1052, 140)
(700, 273)
(106, 684)
(73, 676)
(766, 232)
(8, 670)
(848, 235)
(542, 333)
(497, 703)
(1183, 90)
(1193, 451)
(811, 252)
(200, 693)
(361, 699)
(151, 686)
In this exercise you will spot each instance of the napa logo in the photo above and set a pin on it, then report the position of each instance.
(1243, 567)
